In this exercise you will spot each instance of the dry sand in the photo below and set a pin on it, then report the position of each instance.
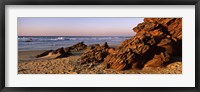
(28, 64)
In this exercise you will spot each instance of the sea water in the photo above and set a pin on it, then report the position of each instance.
(54, 42)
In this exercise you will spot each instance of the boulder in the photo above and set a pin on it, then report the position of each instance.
(62, 53)
(68, 49)
(79, 46)
(95, 55)
(111, 50)
(92, 46)
(44, 53)
(58, 53)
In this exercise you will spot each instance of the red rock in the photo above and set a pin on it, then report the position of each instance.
(44, 53)
(79, 46)
(157, 39)
(111, 50)
(96, 55)
(92, 46)
(60, 52)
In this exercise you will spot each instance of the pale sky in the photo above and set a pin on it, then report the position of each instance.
(77, 26)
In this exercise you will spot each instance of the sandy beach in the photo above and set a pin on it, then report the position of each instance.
(28, 64)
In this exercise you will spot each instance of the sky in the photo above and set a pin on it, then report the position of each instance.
(38, 26)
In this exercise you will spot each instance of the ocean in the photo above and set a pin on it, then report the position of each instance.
(54, 42)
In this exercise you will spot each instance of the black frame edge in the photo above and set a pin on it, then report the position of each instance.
(197, 36)
(2, 47)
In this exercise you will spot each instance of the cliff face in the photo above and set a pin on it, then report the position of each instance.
(156, 41)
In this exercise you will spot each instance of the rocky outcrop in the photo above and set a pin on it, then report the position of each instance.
(63, 52)
(96, 55)
(157, 39)
(92, 46)
(58, 53)
(44, 53)
(77, 47)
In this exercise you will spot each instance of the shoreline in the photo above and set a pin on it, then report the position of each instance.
(111, 45)
(29, 64)
(27, 55)
(69, 65)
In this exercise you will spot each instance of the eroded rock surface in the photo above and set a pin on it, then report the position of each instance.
(63, 52)
(58, 53)
(96, 55)
(77, 47)
(155, 42)
(157, 39)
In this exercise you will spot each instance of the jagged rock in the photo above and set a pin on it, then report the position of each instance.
(63, 52)
(44, 53)
(92, 46)
(68, 49)
(79, 46)
(58, 53)
(158, 60)
(95, 55)
(105, 45)
(111, 50)
(157, 39)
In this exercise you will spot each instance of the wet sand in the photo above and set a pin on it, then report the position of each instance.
(28, 64)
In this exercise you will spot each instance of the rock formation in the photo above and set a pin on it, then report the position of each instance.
(44, 53)
(77, 47)
(63, 52)
(92, 46)
(58, 53)
(157, 39)
(96, 55)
